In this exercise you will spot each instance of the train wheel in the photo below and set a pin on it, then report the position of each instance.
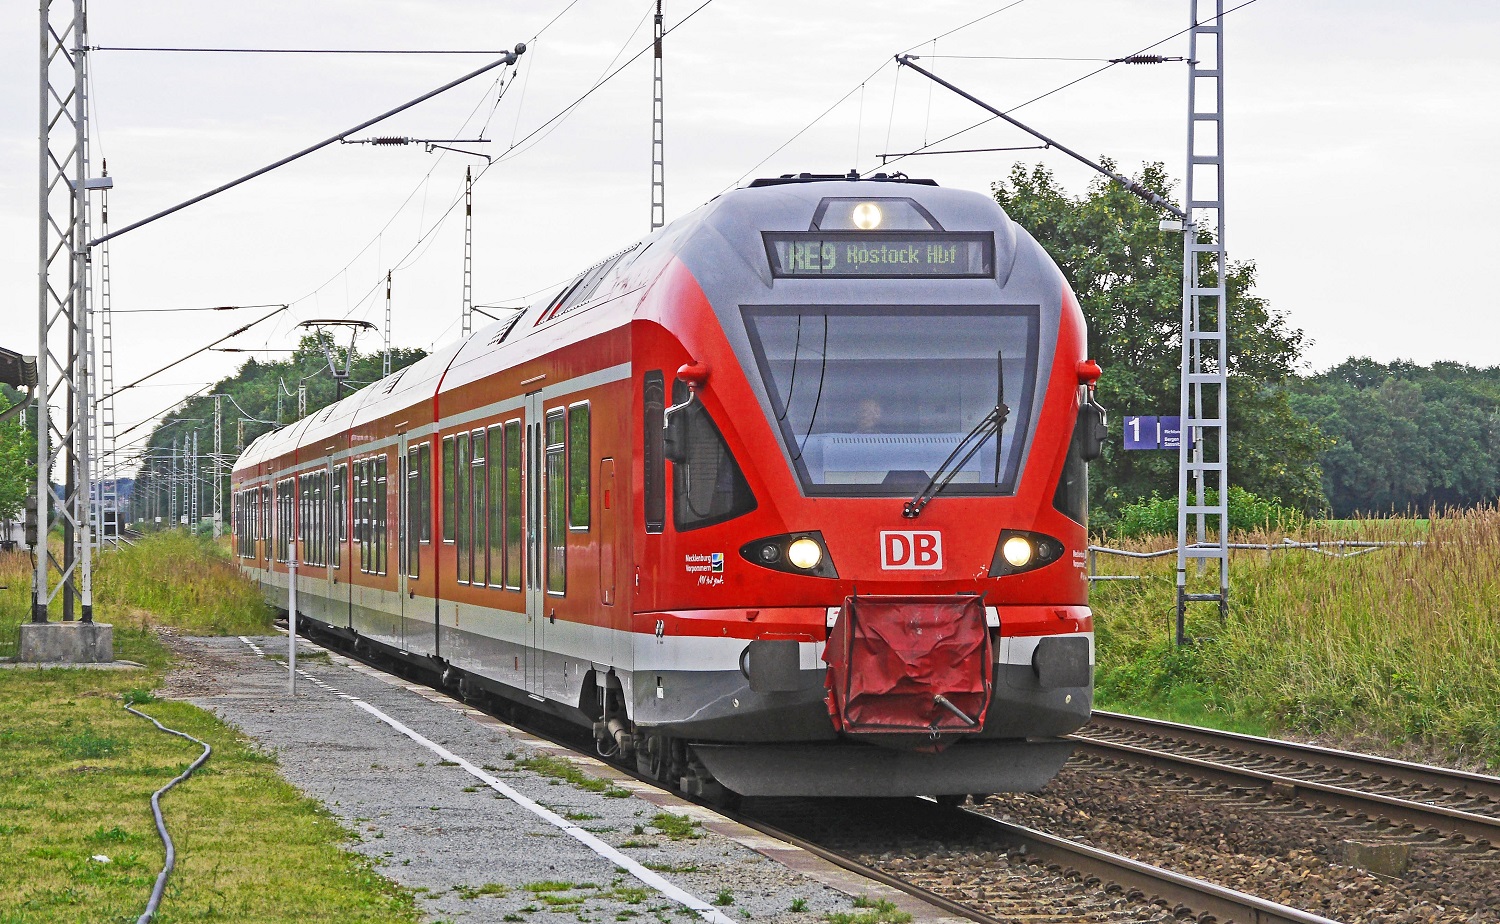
(661, 758)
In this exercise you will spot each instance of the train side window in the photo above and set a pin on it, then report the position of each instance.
(461, 508)
(653, 397)
(555, 468)
(340, 513)
(513, 505)
(480, 515)
(409, 536)
(360, 522)
(578, 466)
(304, 520)
(424, 491)
(265, 514)
(708, 486)
(495, 486)
(449, 516)
(381, 522)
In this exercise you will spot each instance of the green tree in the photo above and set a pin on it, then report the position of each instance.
(1405, 437)
(252, 407)
(1127, 274)
(17, 457)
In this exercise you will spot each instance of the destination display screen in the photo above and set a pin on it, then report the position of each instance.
(881, 254)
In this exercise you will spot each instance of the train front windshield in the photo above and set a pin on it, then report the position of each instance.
(873, 400)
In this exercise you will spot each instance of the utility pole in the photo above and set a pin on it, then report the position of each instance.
(658, 167)
(468, 307)
(1203, 458)
(301, 400)
(63, 357)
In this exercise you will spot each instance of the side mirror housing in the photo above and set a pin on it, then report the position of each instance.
(1092, 430)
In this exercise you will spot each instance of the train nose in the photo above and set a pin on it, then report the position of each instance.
(910, 671)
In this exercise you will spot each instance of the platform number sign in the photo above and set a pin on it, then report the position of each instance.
(1171, 432)
(1153, 432)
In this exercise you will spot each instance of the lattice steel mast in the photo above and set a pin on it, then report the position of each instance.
(218, 466)
(468, 318)
(1203, 460)
(385, 363)
(107, 521)
(63, 358)
(658, 168)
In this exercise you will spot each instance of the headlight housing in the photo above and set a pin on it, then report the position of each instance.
(793, 553)
(1020, 550)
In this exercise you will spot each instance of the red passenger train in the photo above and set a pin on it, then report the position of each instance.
(788, 498)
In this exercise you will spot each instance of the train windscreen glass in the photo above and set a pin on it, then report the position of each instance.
(881, 254)
(872, 400)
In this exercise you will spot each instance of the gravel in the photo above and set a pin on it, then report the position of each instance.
(1271, 847)
(470, 854)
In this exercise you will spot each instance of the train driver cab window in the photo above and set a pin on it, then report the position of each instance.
(653, 401)
(873, 400)
(708, 486)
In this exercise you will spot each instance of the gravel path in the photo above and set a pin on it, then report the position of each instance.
(470, 854)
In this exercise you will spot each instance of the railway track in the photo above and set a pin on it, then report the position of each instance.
(1049, 878)
(1017, 873)
(1423, 797)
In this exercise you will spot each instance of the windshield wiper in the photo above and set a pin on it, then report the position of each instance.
(974, 439)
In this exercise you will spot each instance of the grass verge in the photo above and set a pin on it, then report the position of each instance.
(1398, 648)
(79, 772)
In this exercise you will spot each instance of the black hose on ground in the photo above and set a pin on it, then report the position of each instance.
(161, 826)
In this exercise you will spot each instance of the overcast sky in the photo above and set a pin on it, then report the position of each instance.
(1361, 150)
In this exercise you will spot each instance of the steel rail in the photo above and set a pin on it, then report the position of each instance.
(1474, 784)
(1420, 815)
(1196, 895)
(854, 866)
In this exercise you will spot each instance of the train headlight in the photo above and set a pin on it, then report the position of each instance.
(1021, 550)
(1017, 551)
(867, 216)
(801, 553)
(805, 554)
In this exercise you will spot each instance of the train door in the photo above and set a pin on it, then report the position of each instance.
(535, 570)
(330, 538)
(403, 528)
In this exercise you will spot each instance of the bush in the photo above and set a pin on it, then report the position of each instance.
(1157, 515)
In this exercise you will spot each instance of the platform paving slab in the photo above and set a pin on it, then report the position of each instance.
(471, 854)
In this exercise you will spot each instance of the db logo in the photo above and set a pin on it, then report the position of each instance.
(911, 551)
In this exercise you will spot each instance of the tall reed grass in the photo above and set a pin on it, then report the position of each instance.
(1399, 647)
(166, 579)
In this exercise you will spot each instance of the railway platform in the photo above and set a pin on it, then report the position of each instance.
(488, 823)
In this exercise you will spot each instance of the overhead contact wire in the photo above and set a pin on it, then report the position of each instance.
(1071, 83)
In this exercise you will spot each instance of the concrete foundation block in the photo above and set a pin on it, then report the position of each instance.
(1382, 859)
(66, 642)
